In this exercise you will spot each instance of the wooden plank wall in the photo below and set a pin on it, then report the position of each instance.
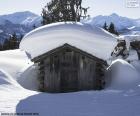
(89, 74)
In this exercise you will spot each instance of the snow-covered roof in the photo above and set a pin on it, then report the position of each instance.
(92, 40)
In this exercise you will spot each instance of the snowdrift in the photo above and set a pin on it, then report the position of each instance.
(13, 63)
(92, 40)
(28, 78)
(123, 75)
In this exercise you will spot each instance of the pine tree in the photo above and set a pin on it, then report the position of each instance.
(105, 26)
(63, 10)
(6, 44)
(13, 40)
(19, 40)
(1, 47)
(34, 26)
(112, 29)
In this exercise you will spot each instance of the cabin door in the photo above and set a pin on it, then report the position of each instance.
(69, 81)
(69, 72)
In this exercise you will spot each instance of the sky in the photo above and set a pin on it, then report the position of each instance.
(97, 7)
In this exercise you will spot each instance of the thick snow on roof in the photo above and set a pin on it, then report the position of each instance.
(92, 40)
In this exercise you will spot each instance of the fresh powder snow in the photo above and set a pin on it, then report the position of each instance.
(92, 40)
(123, 75)
(17, 96)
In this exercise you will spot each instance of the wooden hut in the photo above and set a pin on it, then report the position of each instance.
(68, 57)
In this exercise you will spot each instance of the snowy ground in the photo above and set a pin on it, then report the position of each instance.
(16, 70)
(11, 63)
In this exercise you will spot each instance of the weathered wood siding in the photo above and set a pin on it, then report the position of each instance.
(86, 73)
(67, 70)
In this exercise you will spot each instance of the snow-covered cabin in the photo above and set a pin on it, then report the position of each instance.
(70, 56)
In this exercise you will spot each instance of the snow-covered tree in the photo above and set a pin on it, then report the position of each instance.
(13, 41)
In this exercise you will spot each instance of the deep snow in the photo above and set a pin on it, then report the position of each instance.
(16, 99)
(92, 40)
(123, 75)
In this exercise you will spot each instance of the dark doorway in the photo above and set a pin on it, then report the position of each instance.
(69, 81)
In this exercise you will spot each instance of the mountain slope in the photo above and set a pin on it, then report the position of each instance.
(24, 18)
(9, 28)
(19, 22)
(121, 23)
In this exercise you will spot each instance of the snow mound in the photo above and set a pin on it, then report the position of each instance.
(92, 40)
(123, 75)
(7, 81)
(12, 63)
(28, 78)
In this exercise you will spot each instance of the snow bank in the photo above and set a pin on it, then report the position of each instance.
(123, 75)
(93, 40)
(132, 55)
(136, 64)
(12, 63)
(28, 78)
